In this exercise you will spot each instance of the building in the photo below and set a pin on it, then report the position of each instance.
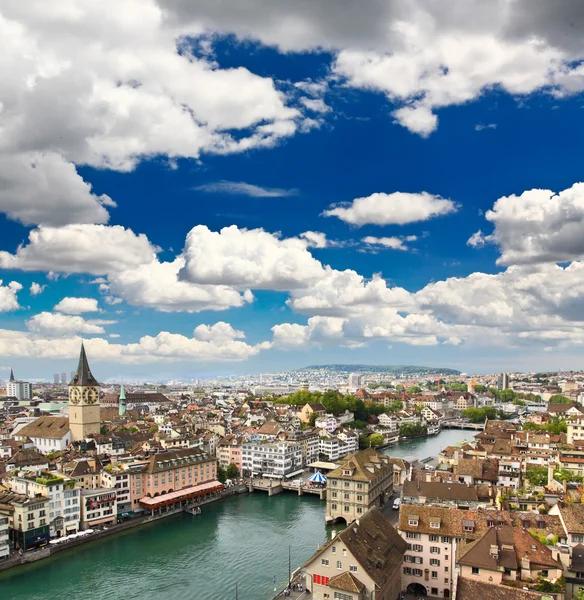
(4, 537)
(56, 380)
(115, 477)
(355, 381)
(503, 381)
(63, 377)
(438, 493)
(363, 561)
(98, 507)
(363, 481)
(84, 419)
(27, 520)
(122, 402)
(309, 409)
(48, 434)
(272, 459)
(21, 390)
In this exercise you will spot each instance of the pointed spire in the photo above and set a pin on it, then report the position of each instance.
(122, 393)
(11, 374)
(83, 375)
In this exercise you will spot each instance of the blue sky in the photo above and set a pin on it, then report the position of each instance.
(162, 156)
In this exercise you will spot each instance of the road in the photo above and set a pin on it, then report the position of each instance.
(392, 515)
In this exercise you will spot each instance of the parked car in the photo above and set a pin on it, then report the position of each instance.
(396, 503)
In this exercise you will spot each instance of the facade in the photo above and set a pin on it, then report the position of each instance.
(4, 537)
(309, 443)
(308, 409)
(114, 477)
(27, 520)
(355, 381)
(362, 562)
(363, 481)
(84, 418)
(272, 459)
(98, 507)
(21, 390)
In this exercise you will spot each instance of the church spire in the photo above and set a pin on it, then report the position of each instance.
(11, 374)
(83, 375)
(122, 402)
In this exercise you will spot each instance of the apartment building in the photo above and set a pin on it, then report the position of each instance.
(309, 443)
(272, 459)
(27, 519)
(98, 508)
(4, 537)
(118, 478)
(363, 480)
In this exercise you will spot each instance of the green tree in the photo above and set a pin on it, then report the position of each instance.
(396, 406)
(412, 429)
(363, 441)
(555, 426)
(414, 389)
(399, 388)
(458, 387)
(580, 595)
(221, 474)
(357, 424)
(154, 428)
(478, 415)
(232, 471)
(312, 418)
(559, 399)
(567, 475)
(537, 475)
(530, 426)
(376, 439)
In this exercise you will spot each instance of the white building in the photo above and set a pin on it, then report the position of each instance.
(327, 422)
(21, 390)
(355, 381)
(48, 434)
(115, 477)
(272, 459)
(98, 507)
(4, 549)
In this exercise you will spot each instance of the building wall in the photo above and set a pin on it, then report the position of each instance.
(180, 477)
(84, 420)
(46, 445)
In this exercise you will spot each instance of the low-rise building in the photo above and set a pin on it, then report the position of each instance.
(98, 507)
(4, 536)
(363, 481)
(48, 434)
(27, 520)
(272, 459)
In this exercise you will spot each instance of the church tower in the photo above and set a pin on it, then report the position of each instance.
(122, 402)
(84, 418)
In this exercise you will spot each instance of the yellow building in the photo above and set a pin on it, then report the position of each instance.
(84, 418)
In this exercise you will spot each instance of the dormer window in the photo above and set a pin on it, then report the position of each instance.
(468, 525)
(347, 472)
(413, 520)
(435, 523)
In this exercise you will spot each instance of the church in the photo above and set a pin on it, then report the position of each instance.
(56, 433)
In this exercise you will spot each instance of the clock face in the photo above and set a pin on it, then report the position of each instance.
(91, 396)
(75, 396)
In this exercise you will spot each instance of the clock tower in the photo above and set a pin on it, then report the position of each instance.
(84, 418)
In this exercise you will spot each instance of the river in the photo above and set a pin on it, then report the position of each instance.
(243, 539)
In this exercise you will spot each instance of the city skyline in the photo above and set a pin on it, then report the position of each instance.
(207, 193)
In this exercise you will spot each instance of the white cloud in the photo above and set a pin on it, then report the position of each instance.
(156, 285)
(8, 296)
(219, 332)
(114, 335)
(165, 347)
(393, 243)
(55, 324)
(482, 127)
(95, 249)
(398, 208)
(318, 329)
(538, 226)
(42, 188)
(315, 239)
(240, 188)
(248, 258)
(77, 306)
(315, 104)
(477, 239)
(36, 288)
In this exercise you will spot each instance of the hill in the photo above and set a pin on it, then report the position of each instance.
(392, 369)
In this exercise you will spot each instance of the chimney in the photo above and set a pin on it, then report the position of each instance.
(550, 472)
(525, 565)
(565, 486)
(428, 476)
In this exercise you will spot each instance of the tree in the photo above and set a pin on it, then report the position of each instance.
(567, 475)
(580, 595)
(559, 399)
(154, 428)
(375, 440)
(312, 418)
(396, 406)
(478, 415)
(414, 389)
(458, 387)
(537, 475)
(412, 429)
(399, 388)
(232, 471)
(221, 474)
(363, 441)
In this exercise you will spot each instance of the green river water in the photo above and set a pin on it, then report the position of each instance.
(243, 539)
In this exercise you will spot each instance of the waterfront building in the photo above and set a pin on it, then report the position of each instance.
(98, 507)
(4, 537)
(15, 388)
(48, 434)
(27, 519)
(84, 418)
(362, 481)
(84, 471)
(64, 513)
(363, 561)
(309, 443)
(115, 477)
(272, 459)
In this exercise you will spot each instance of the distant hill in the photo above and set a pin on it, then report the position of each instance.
(393, 369)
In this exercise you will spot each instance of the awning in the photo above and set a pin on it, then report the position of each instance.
(294, 473)
(180, 495)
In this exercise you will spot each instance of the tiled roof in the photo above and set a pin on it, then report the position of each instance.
(27, 457)
(173, 459)
(438, 489)
(365, 465)
(480, 590)
(346, 581)
(573, 517)
(46, 427)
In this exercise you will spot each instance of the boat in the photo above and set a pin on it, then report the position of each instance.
(193, 510)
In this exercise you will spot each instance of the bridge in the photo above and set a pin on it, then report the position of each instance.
(275, 486)
(456, 424)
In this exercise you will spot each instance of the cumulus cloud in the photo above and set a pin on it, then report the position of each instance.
(95, 249)
(240, 188)
(247, 258)
(392, 243)
(165, 347)
(55, 324)
(77, 306)
(157, 285)
(8, 296)
(219, 332)
(398, 208)
(36, 288)
(537, 226)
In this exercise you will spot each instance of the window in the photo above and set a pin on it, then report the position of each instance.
(334, 494)
(342, 596)
(353, 568)
(334, 506)
(434, 538)
(446, 569)
(434, 550)
(413, 522)
(434, 574)
(344, 552)
(359, 510)
(324, 562)
(412, 535)
(407, 571)
(339, 564)
(435, 524)
(334, 549)
(445, 539)
(544, 573)
(475, 570)
(346, 496)
(434, 591)
(359, 498)
(417, 548)
(434, 562)
(417, 572)
(346, 508)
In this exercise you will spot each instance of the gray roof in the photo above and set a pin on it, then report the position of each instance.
(83, 375)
